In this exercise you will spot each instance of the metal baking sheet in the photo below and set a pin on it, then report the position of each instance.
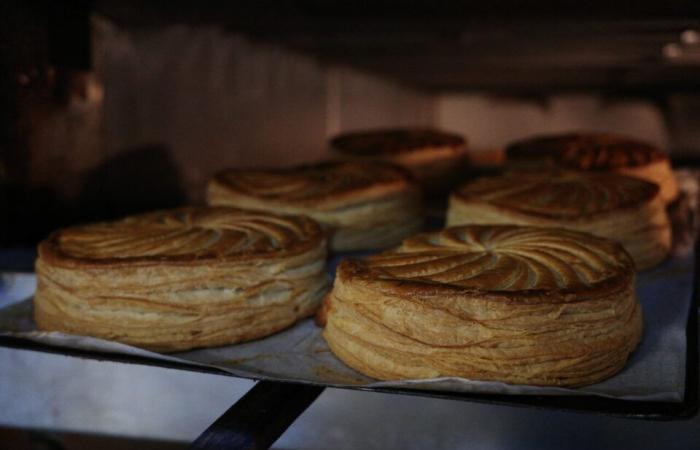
(636, 409)
(669, 292)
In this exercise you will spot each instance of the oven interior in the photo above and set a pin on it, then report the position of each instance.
(115, 107)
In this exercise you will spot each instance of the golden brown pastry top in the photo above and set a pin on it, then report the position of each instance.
(394, 141)
(499, 262)
(189, 235)
(330, 183)
(587, 151)
(559, 195)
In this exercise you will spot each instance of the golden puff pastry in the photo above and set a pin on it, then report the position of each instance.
(180, 279)
(626, 209)
(364, 205)
(524, 305)
(436, 158)
(597, 152)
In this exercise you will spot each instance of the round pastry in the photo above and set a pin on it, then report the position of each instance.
(435, 158)
(179, 279)
(364, 205)
(523, 305)
(626, 209)
(598, 151)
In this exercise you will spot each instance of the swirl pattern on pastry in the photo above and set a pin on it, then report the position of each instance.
(436, 158)
(192, 234)
(364, 204)
(516, 304)
(618, 207)
(501, 258)
(184, 278)
(598, 151)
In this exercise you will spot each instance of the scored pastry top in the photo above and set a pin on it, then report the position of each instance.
(594, 151)
(394, 141)
(193, 235)
(328, 183)
(559, 194)
(497, 259)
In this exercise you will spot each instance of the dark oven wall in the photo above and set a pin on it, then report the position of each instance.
(111, 108)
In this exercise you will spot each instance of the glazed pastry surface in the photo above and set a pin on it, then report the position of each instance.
(364, 205)
(598, 151)
(516, 304)
(436, 158)
(626, 209)
(179, 279)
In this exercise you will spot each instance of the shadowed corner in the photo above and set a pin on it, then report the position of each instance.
(153, 181)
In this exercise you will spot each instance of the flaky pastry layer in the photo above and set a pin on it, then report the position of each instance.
(180, 279)
(435, 158)
(625, 209)
(597, 152)
(364, 205)
(515, 304)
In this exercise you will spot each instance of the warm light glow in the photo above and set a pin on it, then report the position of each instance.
(672, 51)
(690, 37)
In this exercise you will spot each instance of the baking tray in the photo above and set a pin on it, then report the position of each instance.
(652, 410)
(591, 404)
